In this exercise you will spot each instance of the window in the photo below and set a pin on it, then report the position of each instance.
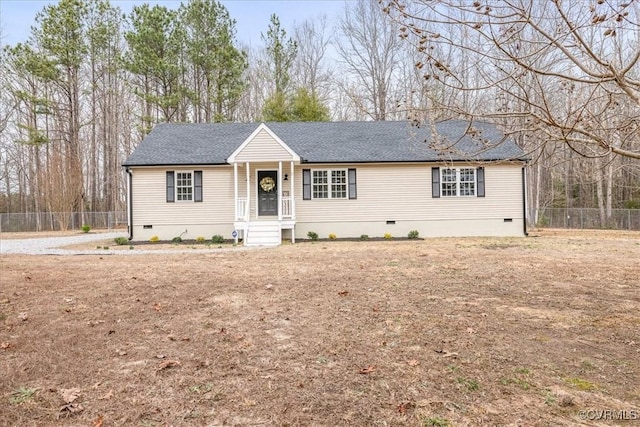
(339, 184)
(453, 182)
(184, 186)
(184, 189)
(320, 185)
(329, 184)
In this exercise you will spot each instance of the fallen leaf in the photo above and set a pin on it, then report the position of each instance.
(167, 364)
(107, 396)
(5, 345)
(413, 362)
(69, 395)
(404, 406)
(97, 422)
(445, 353)
(4, 301)
(72, 408)
(343, 293)
(23, 316)
(368, 369)
(157, 307)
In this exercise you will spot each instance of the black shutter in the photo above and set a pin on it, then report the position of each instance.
(435, 182)
(480, 178)
(171, 192)
(306, 184)
(197, 186)
(353, 193)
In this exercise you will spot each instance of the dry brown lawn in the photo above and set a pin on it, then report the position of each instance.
(493, 331)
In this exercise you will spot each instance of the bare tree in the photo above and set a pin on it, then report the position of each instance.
(530, 51)
(369, 47)
(311, 70)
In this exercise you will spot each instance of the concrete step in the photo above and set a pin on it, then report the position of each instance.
(263, 233)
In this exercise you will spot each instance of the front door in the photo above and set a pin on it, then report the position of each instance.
(267, 193)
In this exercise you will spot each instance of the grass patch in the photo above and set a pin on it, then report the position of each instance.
(581, 384)
(22, 395)
(436, 422)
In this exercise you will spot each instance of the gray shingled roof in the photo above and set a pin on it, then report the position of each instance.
(329, 142)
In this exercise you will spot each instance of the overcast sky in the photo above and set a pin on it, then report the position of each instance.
(252, 16)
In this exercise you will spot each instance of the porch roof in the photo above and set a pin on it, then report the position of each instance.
(329, 142)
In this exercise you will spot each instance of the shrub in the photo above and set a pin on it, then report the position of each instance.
(413, 234)
(121, 241)
(332, 236)
(388, 236)
(312, 235)
(200, 239)
(86, 228)
(154, 239)
(130, 247)
(364, 237)
(177, 239)
(217, 239)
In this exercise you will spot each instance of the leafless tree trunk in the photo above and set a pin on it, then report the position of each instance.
(369, 48)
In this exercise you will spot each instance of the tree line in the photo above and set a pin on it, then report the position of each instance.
(562, 78)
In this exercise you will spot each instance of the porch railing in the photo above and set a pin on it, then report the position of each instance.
(242, 209)
(287, 207)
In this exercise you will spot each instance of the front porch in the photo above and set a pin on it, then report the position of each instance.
(265, 204)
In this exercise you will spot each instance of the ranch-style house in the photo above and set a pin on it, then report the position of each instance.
(260, 183)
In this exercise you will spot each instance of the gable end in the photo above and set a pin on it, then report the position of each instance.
(263, 145)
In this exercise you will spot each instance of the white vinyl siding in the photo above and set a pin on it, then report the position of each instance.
(403, 193)
(149, 188)
(263, 148)
(386, 192)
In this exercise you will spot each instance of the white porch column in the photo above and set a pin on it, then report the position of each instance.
(279, 191)
(235, 188)
(292, 192)
(248, 207)
(293, 201)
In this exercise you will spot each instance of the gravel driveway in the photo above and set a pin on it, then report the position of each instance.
(51, 246)
(48, 245)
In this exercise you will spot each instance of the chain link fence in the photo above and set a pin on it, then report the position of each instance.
(58, 221)
(620, 219)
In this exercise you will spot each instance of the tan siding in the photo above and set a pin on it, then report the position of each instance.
(400, 193)
(403, 193)
(150, 206)
(263, 148)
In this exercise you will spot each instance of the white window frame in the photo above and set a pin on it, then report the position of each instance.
(178, 187)
(457, 185)
(331, 184)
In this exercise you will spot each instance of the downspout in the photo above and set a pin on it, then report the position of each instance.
(524, 201)
(129, 204)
